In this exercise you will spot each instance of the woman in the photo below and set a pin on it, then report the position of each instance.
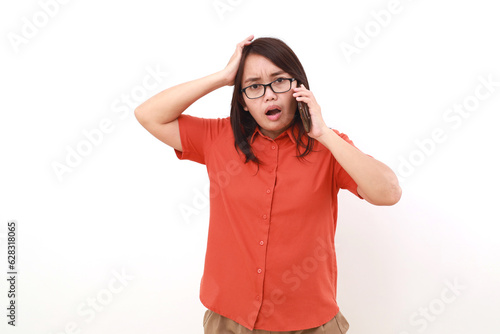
(270, 263)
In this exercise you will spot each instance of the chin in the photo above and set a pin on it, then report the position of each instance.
(277, 127)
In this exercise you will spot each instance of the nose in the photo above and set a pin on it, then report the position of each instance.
(269, 94)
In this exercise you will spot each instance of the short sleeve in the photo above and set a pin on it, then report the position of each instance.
(197, 134)
(343, 179)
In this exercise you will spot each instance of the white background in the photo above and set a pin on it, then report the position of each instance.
(118, 210)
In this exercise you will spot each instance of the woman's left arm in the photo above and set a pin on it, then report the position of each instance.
(377, 183)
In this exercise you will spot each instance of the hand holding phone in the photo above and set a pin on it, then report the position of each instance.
(305, 116)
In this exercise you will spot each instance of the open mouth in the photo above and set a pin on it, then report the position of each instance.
(274, 113)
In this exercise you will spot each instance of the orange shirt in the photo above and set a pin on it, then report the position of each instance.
(270, 261)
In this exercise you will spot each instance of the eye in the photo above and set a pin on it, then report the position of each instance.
(254, 87)
(280, 80)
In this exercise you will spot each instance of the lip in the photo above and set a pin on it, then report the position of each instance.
(271, 107)
(274, 117)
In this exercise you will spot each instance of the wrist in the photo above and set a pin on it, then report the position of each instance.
(326, 134)
(220, 78)
(224, 78)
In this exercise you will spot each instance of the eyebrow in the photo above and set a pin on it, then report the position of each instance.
(258, 78)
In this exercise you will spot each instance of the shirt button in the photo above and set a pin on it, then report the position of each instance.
(261, 243)
(257, 297)
(259, 270)
(264, 217)
(273, 147)
(268, 191)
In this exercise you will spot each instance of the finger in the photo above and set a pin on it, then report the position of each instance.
(303, 99)
(301, 88)
(247, 41)
(301, 93)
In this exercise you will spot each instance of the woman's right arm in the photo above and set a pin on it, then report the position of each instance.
(159, 114)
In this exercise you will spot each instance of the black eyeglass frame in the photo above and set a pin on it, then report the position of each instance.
(268, 85)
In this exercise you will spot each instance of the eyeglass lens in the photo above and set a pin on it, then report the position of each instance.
(278, 86)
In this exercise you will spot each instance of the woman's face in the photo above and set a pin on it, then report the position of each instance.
(274, 112)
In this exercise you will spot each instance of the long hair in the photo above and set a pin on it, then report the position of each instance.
(242, 122)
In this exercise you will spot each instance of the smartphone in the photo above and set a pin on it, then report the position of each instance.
(305, 116)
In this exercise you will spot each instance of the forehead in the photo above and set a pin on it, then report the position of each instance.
(258, 68)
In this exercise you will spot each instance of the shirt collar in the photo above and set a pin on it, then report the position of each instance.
(287, 132)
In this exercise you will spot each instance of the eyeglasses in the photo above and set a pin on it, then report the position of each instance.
(280, 85)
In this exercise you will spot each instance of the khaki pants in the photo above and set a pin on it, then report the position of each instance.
(214, 323)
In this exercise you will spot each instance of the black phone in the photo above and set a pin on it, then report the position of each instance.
(305, 116)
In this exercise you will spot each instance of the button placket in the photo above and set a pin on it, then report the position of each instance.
(265, 218)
